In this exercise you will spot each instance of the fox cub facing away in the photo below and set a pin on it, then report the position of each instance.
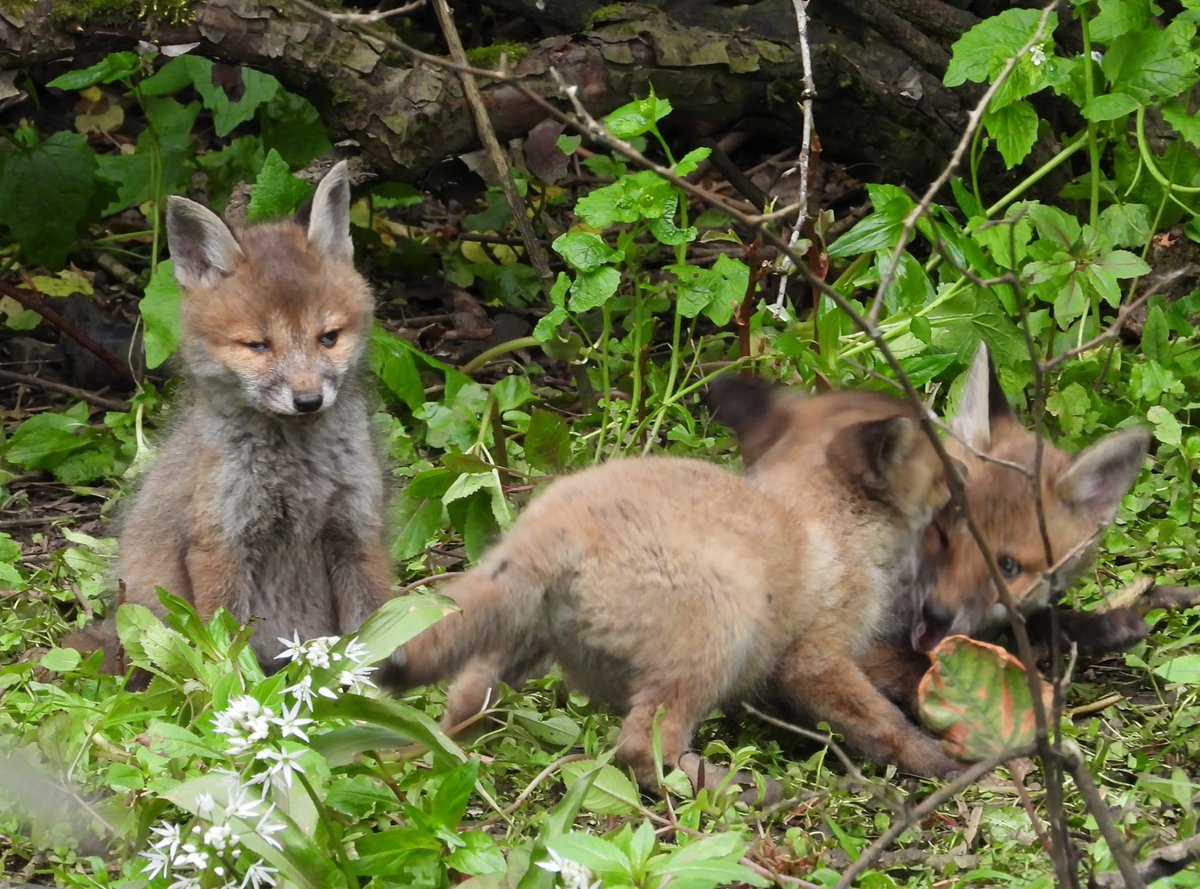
(668, 582)
(267, 497)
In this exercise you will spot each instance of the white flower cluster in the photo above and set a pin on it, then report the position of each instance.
(349, 664)
(248, 725)
(208, 852)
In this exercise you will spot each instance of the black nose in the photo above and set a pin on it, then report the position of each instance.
(936, 614)
(306, 404)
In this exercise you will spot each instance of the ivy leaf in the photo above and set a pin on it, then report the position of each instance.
(276, 191)
(46, 193)
(159, 308)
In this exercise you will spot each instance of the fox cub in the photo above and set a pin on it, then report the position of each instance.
(1080, 494)
(673, 583)
(267, 497)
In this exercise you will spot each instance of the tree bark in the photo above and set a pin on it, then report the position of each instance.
(880, 101)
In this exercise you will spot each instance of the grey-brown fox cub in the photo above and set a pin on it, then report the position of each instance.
(667, 582)
(267, 497)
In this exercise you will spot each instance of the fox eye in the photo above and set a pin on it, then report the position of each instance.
(1008, 566)
(328, 338)
(258, 346)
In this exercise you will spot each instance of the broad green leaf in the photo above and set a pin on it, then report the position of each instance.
(293, 127)
(1167, 427)
(1184, 669)
(637, 117)
(1118, 17)
(585, 251)
(665, 230)
(1183, 122)
(977, 698)
(593, 289)
(1014, 127)
(159, 308)
(46, 196)
(1110, 107)
(478, 854)
(879, 230)
(450, 801)
(1123, 264)
(1150, 64)
(114, 66)
(690, 161)
(400, 619)
(216, 82)
(386, 713)
(418, 513)
(1055, 225)
(1124, 225)
(592, 852)
(632, 197)
(276, 192)
(547, 441)
(611, 792)
(709, 862)
(358, 796)
(981, 53)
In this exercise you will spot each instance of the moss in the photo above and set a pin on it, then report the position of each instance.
(489, 56)
(605, 13)
(81, 11)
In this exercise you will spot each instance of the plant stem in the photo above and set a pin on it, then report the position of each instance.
(524, 342)
(1037, 175)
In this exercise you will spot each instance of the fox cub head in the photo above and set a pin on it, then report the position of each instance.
(866, 450)
(273, 314)
(1080, 494)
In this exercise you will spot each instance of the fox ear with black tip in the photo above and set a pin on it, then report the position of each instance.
(203, 248)
(752, 409)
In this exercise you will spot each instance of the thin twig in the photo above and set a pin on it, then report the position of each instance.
(1073, 760)
(1164, 862)
(974, 119)
(487, 136)
(927, 806)
(32, 300)
(91, 398)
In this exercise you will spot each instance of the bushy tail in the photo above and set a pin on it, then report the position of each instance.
(500, 615)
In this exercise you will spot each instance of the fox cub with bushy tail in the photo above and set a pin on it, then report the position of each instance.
(267, 497)
(673, 583)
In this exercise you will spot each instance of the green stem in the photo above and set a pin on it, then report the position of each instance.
(1037, 175)
(1089, 88)
(332, 828)
(605, 381)
(1148, 160)
(525, 342)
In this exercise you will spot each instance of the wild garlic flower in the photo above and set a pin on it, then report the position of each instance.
(571, 874)
(245, 721)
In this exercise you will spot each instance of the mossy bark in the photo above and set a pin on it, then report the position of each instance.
(876, 105)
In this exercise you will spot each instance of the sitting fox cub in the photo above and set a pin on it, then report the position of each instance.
(667, 582)
(267, 497)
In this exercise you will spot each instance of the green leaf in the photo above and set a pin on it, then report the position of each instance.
(159, 308)
(254, 89)
(1185, 124)
(399, 718)
(716, 292)
(399, 620)
(276, 192)
(690, 161)
(1167, 427)
(976, 696)
(593, 289)
(1123, 264)
(46, 440)
(981, 53)
(114, 66)
(665, 230)
(547, 441)
(568, 144)
(418, 513)
(293, 127)
(392, 359)
(1150, 64)
(1055, 225)
(358, 796)
(590, 851)
(1118, 17)
(1124, 225)
(881, 229)
(585, 251)
(60, 660)
(632, 197)
(1184, 669)
(1110, 107)
(637, 117)
(450, 802)
(610, 791)
(46, 193)
(1014, 127)
(709, 862)
(478, 854)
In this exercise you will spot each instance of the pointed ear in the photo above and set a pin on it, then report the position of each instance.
(202, 246)
(1099, 476)
(887, 444)
(751, 409)
(983, 402)
(329, 218)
